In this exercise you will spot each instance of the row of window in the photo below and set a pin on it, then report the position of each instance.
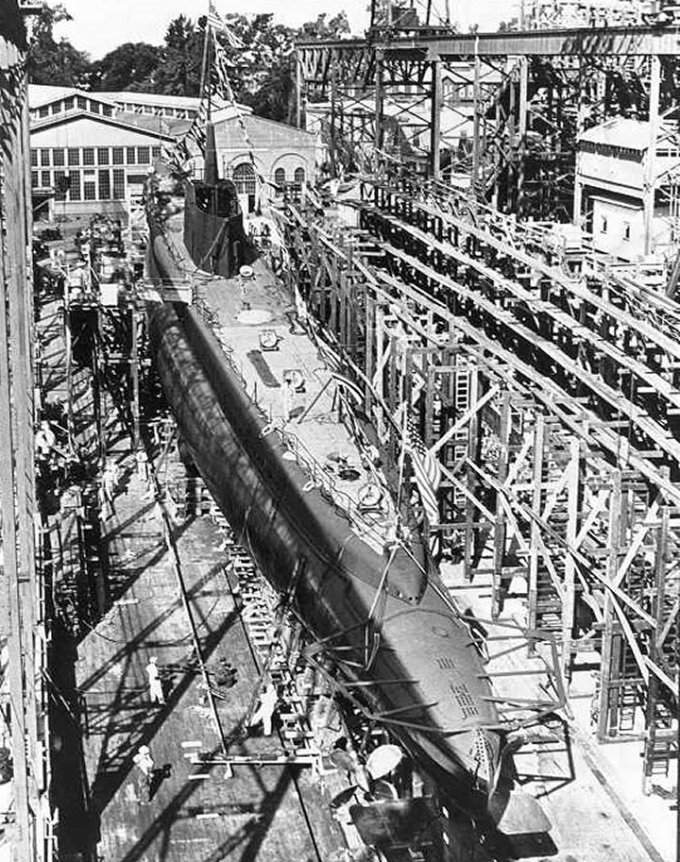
(243, 176)
(280, 178)
(616, 152)
(604, 228)
(92, 184)
(58, 157)
(70, 104)
(86, 185)
(158, 110)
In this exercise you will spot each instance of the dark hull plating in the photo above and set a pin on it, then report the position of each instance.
(426, 672)
(213, 228)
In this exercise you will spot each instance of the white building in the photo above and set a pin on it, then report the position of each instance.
(90, 152)
(87, 154)
(283, 155)
(625, 190)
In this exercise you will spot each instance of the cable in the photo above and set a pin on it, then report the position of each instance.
(166, 643)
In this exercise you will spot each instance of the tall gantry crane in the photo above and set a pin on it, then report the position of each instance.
(457, 139)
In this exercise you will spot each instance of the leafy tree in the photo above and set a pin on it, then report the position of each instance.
(131, 66)
(335, 28)
(262, 70)
(265, 68)
(179, 71)
(51, 61)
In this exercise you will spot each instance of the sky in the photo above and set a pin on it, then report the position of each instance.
(99, 26)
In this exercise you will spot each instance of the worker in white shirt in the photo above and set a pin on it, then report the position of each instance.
(265, 711)
(155, 684)
(145, 764)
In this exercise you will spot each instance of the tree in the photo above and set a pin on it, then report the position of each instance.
(262, 72)
(51, 61)
(321, 29)
(179, 71)
(265, 70)
(131, 66)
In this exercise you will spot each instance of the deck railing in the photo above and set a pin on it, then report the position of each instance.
(344, 504)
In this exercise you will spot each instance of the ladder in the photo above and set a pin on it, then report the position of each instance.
(275, 645)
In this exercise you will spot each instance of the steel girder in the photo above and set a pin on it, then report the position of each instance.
(509, 118)
(528, 464)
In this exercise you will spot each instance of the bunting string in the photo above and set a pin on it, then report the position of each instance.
(217, 89)
(224, 89)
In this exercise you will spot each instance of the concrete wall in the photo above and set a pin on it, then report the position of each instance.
(619, 174)
(605, 171)
(267, 163)
(618, 229)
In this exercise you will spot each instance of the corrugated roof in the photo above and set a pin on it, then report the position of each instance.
(123, 121)
(619, 132)
(160, 100)
(263, 134)
(45, 94)
(151, 98)
(152, 123)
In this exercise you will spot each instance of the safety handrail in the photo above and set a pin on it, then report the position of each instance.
(312, 468)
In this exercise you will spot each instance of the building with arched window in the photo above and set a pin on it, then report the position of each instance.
(280, 178)
(245, 181)
(91, 152)
(283, 156)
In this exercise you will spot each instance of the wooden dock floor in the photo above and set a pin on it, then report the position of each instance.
(196, 813)
(595, 818)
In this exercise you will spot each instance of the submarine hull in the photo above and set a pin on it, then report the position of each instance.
(426, 672)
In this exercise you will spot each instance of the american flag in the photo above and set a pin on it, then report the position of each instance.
(426, 470)
(219, 25)
(224, 89)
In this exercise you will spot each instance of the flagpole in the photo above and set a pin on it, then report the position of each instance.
(204, 62)
(402, 458)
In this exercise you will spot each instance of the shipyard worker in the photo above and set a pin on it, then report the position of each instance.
(45, 440)
(110, 478)
(144, 763)
(265, 711)
(143, 473)
(287, 396)
(142, 464)
(246, 274)
(155, 685)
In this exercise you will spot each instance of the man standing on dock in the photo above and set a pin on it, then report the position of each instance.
(155, 685)
(110, 479)
(265, 711)
(144, 762)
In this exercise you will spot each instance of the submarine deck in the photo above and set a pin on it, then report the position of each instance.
(197, 811)
(587, 802)
(261, 813)
(307, 411)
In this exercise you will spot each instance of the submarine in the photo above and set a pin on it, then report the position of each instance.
(369, 597)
